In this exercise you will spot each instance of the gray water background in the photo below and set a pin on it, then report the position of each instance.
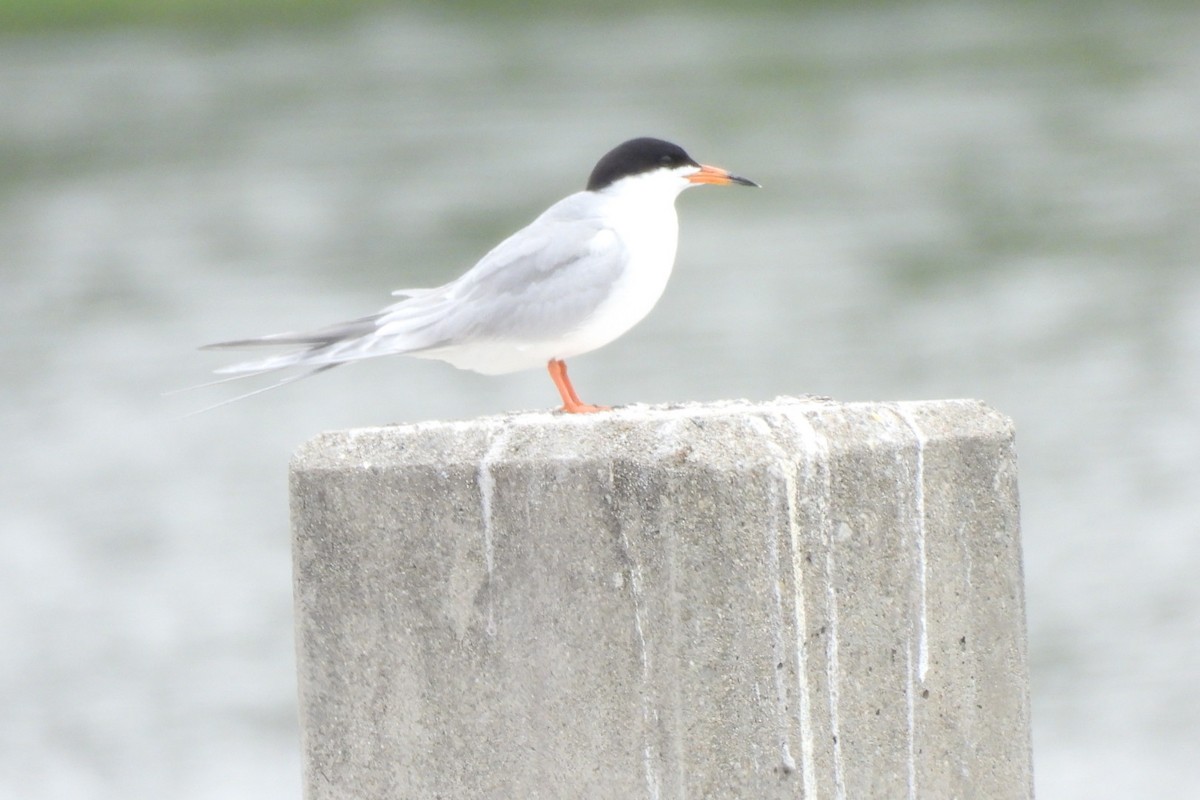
(982, 199)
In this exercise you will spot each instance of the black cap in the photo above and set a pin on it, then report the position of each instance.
(635, 157)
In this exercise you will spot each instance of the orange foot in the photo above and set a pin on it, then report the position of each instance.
(571, 402)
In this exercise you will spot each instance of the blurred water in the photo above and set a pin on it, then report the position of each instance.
(987, 200)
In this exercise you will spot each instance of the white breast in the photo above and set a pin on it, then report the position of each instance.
(649, 233)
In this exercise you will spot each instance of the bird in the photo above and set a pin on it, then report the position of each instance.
(583, 273)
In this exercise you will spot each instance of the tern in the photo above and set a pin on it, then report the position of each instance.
(583, 273)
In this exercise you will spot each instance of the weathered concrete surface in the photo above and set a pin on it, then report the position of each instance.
(790, 599)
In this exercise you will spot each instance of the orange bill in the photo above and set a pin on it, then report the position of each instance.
(718, 176)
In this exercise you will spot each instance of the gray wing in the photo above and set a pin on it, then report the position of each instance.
(542, 281)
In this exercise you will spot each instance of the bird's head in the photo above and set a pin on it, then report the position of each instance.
(656, 162)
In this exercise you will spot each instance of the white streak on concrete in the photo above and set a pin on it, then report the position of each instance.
(800, 622)
(834, 677)
(486, 482)
(808, 759)
(912, 719)
(919, 490)
(783, 472)
(649, 714)
(818, 487)
(807, 748)
(781, 692)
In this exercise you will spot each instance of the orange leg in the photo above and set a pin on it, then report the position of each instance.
(571, 402)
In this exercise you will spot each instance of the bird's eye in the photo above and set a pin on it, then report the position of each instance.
(665, 160)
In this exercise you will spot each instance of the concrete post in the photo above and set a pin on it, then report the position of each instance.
(789, 599)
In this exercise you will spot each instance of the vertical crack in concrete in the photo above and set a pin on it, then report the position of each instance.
(486, 483)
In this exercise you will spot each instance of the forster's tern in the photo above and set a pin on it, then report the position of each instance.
(577, 277)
